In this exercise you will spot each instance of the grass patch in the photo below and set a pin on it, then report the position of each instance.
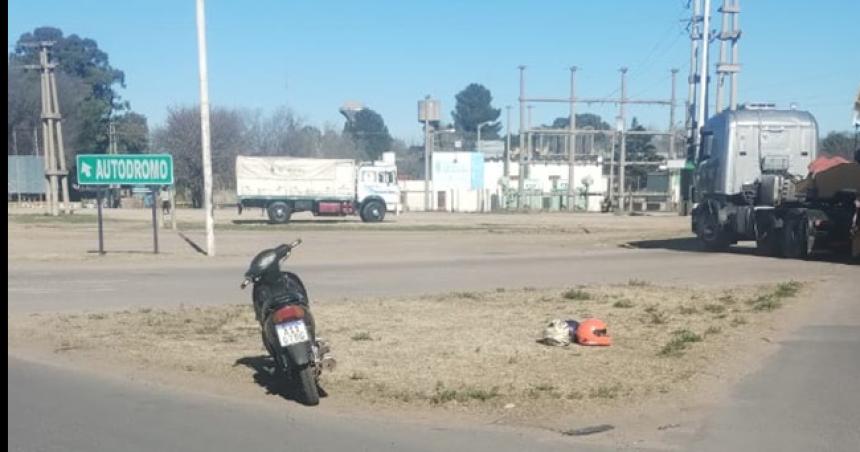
(462, 395)
(576, 294)
(727, 299)
(605, 391)
(688, 310)
(765, 303)
(679, 342)
(655, 316)
(787, 289)
(362, 336)
(712, 330)
(623, 303)
(715, 308)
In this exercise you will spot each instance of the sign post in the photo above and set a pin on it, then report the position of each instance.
(101, 234)
(126, 169)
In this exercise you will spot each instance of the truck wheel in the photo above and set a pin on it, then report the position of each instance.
(373, 212)
(768, 245)
(711, 233)
(279, 212)
(795, 243)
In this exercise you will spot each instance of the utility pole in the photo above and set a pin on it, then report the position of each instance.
(507, 170)
(427, 137)
(52, 130)
(44, 161)
(623, 160)
(736, 34)
(672, 116)
(204, 130)
(571, 144)
(729, 33)
(701, 114)
(521, 178)
(612, 170)
(692, 79)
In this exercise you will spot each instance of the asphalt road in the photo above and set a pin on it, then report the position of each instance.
(806, 396)
(36, 287)
(53, 409)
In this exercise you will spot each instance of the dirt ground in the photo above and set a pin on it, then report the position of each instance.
(463, 352)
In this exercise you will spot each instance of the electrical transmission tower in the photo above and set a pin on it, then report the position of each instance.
(52, 132)
(728, 67)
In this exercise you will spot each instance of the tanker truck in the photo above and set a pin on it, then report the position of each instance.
(759, 177)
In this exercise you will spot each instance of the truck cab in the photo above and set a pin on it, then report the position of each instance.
(378, 181)
(749, 163)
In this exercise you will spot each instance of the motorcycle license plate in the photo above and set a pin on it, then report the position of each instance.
(290, 333)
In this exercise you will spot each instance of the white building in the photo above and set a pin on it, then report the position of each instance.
(465, 182)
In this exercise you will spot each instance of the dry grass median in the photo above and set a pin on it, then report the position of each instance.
(474, 351)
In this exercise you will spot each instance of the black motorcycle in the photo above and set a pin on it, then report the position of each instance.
(282, 307)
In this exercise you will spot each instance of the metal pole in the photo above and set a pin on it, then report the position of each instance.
(571, 144)
(154, 190)
(522, 171)
(621, 169)
(672, 117)
(692, 79)
(721, 77)
(612, 170)
(173, 208)
(204, 130)
(703, 75)
(506, 166)
(101, 229)
(733, 93)
(478, 144)
(426, 153)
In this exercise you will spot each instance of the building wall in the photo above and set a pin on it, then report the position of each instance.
(456, 185)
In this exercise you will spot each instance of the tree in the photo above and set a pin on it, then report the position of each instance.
(583, 120)
(474, 106)
(368, 130)
(85, 83)
(180, 137)
(838, 143)
(639, 148)
(132, 133)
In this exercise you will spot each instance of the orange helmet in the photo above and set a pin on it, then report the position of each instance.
(592, 332)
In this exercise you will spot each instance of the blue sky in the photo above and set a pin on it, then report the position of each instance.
(312, 56)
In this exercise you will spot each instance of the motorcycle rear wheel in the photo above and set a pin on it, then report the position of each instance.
(305, 385)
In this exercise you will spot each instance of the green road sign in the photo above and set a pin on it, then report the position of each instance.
(126, 169)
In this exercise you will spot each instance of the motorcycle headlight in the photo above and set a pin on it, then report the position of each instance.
(267, 260)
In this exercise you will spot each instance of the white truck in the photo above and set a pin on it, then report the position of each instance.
(324, 187)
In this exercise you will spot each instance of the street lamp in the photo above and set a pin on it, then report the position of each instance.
(479, 133)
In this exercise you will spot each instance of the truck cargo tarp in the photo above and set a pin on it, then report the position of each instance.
(300, 177)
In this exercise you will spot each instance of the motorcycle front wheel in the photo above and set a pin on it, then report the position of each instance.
(305, 385)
